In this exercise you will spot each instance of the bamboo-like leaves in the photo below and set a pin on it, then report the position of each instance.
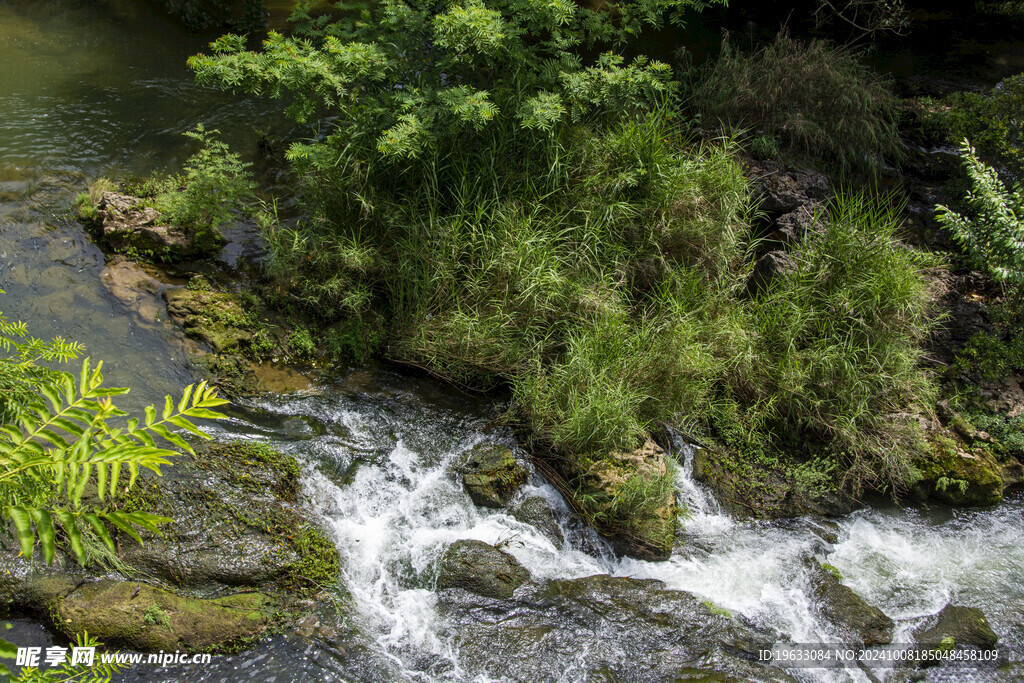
(51, 455)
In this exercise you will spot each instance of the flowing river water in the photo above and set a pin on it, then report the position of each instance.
(100, 88)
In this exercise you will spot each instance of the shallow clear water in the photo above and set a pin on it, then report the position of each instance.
(100, 88)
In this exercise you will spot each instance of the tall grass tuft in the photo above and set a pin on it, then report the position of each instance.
(819, 99)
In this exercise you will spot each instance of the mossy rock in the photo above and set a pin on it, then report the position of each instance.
(480, 568)
(142, 617)
(749, 488)
(216, 318)
(629, 498)
(491, 474)
(846, 610)
(536, 512)
(958, 476)
(966, 626)
(234, 523)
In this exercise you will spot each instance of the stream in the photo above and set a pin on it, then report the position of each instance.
(101, 88)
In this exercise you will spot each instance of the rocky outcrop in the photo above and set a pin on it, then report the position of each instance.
(480, 568)
(626, 629)
(629, 497)
(141, 617)
(126, 222)
(966, 626)
(784, 190)
(491, 474)
(216, 318)
(846, 610)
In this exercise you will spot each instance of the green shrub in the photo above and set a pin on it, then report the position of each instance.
(992, 235)
(301, 344)
(819, 100)
(988, 357)
(993, 121)
(214, 187)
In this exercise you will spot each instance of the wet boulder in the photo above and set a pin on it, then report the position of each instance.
(964, 625)
(142, 617)
(128, 222)
(846, 610)
(536, 512)
(234, 523)
(491, 474)
(480, 568)
(602, 628)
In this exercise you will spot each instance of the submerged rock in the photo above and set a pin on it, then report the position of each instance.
(145, 618)
(602, 628)
(965, 625)
(536, 512)
(491, 474)
(480, 568)
(848, 611)
(128, 223)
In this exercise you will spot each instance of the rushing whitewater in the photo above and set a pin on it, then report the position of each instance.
(380, 474)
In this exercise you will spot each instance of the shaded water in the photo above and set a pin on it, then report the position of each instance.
(100, 88)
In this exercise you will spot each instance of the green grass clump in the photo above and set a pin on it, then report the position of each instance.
(840, 342)
(818, 99)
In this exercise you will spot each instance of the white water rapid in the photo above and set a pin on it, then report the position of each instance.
(381, 478)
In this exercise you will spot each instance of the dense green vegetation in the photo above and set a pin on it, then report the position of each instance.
(820, 100)
(992, 232)
(498, 208)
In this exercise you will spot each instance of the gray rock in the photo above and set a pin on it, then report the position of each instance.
(480, 568)
(629, 630)
(783, 191)
(536, 512)
(768, 270)
(128, 223)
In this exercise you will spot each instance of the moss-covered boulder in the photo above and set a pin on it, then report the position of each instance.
(629, 498)
(491, 474)
(846, 610)
(480, 568)
(236, 522)
(958, 475)
(748, 487)
(216, 318)
(965, 626)
(142, 617)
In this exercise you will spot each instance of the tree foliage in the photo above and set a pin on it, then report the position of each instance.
(992, 232)
(401, 77)
(61, 440)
